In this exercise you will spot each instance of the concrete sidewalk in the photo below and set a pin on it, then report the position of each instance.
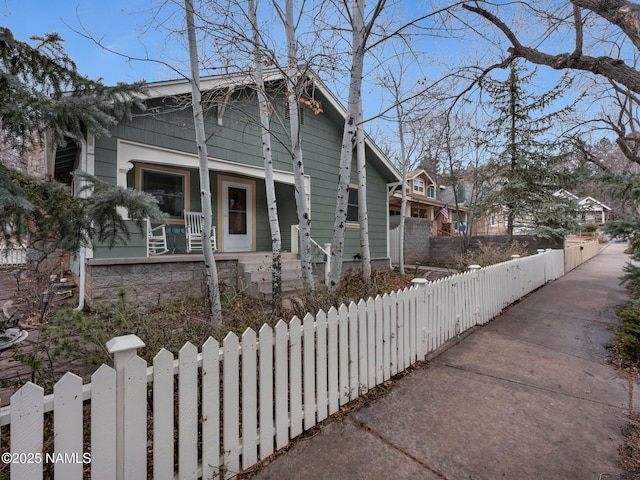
(528, 396)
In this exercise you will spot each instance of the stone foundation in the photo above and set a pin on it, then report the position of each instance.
(153, 280)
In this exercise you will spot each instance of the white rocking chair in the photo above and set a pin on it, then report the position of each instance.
(156, 239)
(193, 231)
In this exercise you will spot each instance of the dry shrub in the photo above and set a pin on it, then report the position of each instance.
(352, 287)
(489, 254)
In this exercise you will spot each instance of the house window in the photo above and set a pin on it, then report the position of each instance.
(287, 113)
(418, 185)
(494, 220)
(431, 191)
(168, 187)
(352, 205)
(461, 193)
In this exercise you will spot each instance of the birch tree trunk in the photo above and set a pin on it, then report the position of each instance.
(363, 214)
(263, 105)
(359, 34)
(304, 216)
(348, 136)
(403, 203)
(205, 188)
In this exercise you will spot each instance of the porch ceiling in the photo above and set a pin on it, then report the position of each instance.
(65, 162)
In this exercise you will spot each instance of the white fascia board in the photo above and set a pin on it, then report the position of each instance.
(182, 86)
(130, 152)
(565, 194)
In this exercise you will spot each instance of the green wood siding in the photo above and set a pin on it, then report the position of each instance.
(238, 140)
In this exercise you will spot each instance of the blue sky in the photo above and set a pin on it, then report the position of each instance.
(122, 25)
(118, 23)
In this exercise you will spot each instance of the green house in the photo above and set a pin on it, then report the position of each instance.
(155, 151)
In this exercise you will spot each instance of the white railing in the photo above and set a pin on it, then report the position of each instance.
(325, 251)
(249, 396)
(12, 256)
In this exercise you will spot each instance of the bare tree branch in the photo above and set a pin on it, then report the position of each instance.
(612, 68)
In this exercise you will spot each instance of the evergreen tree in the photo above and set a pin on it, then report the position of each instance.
(627, 188)
(42, 91)
(524, 170)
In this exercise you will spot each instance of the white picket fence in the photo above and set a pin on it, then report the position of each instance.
(239, 401)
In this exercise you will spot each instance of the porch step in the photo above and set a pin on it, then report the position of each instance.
(254, 276)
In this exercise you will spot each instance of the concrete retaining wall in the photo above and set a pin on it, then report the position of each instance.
(417, 240)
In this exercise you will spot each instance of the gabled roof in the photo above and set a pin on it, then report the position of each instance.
(565, 194)
(586, 200)
(417, 173)
(242, 80)
(580, 201)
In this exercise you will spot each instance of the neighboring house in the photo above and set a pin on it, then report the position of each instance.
(591, 210)
(495, 223)
(458, 202)
(155, 151)
(426, 200)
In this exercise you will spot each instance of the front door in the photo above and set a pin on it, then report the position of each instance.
(237, 216)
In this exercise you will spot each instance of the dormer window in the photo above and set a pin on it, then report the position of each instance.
(431, 191)
(418, 185)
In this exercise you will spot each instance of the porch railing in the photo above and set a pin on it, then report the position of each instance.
(325, 250)
(12, 256)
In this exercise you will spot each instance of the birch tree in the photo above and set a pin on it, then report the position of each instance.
(360, 33)
(293, 93)
(211, 271)
(236, 44)
(272, 208)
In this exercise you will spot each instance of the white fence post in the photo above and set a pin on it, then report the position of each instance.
(420, 284)
(477, 310)
(123, 349)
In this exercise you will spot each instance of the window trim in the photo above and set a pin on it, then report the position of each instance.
(142, 167)
(421, 183)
